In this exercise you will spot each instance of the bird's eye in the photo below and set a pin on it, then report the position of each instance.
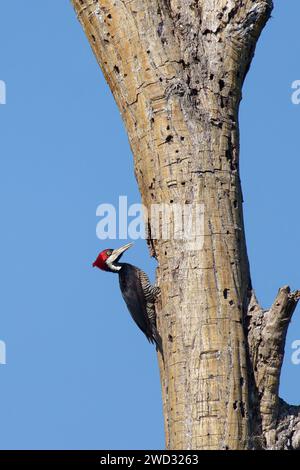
(108, 253)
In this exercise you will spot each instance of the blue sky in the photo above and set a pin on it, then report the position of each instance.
(79, 374)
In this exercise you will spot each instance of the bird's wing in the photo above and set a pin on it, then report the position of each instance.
(133, 294)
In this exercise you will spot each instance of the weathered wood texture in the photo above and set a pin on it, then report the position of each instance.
(176, 70)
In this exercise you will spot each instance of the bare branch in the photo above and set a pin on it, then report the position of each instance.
(266, 337)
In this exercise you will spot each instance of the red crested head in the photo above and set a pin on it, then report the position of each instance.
(108, 259)
(100, 261)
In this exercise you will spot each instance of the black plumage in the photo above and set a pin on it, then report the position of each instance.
(140, 296)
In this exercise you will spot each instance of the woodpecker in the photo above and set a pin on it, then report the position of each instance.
(137, 291)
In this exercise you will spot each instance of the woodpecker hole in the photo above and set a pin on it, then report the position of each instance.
(225, 293)
(170, 338)
(169, 138)
(228, 154)
(221, 84)
(116, 69)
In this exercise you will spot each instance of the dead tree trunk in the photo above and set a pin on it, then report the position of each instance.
(176, 69)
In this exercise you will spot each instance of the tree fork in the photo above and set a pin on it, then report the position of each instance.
(176, 70)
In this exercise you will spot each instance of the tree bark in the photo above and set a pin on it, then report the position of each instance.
(176, 69)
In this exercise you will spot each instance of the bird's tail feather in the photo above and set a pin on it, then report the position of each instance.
(158, 342)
